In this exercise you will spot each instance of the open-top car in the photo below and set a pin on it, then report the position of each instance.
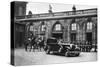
(67, 49)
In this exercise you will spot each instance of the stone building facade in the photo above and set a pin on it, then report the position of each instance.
(78, 26)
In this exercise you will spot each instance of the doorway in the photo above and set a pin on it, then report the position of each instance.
(89, 37)
(57, 35)
(73, 37)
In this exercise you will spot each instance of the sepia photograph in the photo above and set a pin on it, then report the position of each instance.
(53, 33)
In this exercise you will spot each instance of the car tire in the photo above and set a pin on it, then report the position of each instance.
(66, 54)
(77, 54)
(48, 52)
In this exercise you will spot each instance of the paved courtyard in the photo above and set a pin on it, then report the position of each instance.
(32, 58)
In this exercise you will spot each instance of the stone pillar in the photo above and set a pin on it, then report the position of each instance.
(65, 34)
(78, 34)
(93, 37)
(68, 33)
(49, 28)
(94, 34)
(83, 33)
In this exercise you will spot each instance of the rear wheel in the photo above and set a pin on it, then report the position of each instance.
(48, 51)
(66, 54)
(77, 54)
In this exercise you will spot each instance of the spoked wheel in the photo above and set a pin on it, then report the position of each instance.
(66, 54)
(48, 51)
(28, 48)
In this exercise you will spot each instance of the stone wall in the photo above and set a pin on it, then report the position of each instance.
(66, 23)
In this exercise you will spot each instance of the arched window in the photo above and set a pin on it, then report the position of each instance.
(57, 27)
(31, 27)
(57, 30)
(43, 26)
(73, 26)
(89, 26)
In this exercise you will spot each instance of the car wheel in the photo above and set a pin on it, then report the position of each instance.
(48, 52)
(66, 54)
(77, 54)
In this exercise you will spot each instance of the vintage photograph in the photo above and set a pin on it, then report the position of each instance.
(52, 33)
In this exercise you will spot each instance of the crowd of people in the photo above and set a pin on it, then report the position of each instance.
(85, 46)
(38, 43)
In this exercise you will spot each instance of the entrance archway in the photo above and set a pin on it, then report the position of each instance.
(57, 30)
(57, 35)
(89, 37)
(73, 37)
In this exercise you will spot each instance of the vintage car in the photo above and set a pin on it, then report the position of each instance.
(67, 49)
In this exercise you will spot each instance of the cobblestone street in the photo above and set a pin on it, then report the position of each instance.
(32, 58)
